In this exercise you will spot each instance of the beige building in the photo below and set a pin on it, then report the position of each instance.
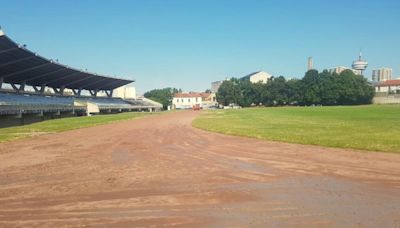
(190, 100)
(256, 77)
(383, 74)
(125, 92)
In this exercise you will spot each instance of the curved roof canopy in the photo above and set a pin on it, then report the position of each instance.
(18, 65)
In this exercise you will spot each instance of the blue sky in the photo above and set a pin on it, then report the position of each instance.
(188, 44)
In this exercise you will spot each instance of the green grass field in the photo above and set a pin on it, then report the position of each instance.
(371, 127)
(64, 124)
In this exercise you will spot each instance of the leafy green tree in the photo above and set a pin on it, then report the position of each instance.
(276, 92)
(258, 91)
(294, 94)
(163, 96)
(328, 88)
(354, 89)
(247, 96)
(311, 88)
(315, 88)
(229, 92)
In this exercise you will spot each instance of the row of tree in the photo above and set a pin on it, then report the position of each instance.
(314, 88)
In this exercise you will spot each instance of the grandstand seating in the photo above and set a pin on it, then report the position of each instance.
(25, 99)
(106, 103)
(31, 76)
(143, 102)
(14, 103)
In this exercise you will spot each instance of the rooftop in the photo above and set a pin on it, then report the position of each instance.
(395, 82)
(19, 65)
(192, 94)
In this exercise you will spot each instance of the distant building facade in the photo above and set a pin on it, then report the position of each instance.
(125, 92)
(256, 77)
(340, 69)
(215, 86)
(388, 86)
(383, 74)
(310, 63)
(189, 100)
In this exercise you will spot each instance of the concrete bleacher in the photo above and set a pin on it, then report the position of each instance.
(27, 107)
(145, 103)
(25, 99)
(16, 104)
(106, 103)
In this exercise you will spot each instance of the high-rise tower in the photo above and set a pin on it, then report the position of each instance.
(360, 65)
(310, 63)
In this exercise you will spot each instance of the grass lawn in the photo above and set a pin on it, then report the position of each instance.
(64, 124)
(370, 127)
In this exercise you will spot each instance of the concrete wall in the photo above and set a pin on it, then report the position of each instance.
(386, 100)
(14, 120)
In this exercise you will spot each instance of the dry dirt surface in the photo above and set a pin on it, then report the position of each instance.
(160, 171)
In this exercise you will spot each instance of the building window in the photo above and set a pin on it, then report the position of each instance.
(188, 99)
(177, 100)
(182, 100)
(196, 99)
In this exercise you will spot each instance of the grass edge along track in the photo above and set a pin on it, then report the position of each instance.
(65, 124)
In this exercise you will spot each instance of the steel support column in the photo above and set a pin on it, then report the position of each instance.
(21, 87)
(93, 92)
(109, 93)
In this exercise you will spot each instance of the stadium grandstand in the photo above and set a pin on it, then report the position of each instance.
(34, 88)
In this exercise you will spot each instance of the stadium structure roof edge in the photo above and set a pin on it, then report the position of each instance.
(111, 82)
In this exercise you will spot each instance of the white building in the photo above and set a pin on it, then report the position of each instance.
(256, 77)
(340, 69)
(383, 74)
(125, 92)
(190, 100)
(388, 86)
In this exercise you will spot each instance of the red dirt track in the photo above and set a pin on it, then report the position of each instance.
(160, 171)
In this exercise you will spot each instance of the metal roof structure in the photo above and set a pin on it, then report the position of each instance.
(20, 66)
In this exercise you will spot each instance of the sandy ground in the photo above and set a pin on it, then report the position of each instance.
(160, 171)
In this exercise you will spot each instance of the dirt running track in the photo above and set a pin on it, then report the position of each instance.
(159, 171)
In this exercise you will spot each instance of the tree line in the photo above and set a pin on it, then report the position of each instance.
(314, 88)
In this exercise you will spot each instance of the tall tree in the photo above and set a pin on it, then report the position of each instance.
(229, 92)
(294, 93)
(311, 88)
(163, 96)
